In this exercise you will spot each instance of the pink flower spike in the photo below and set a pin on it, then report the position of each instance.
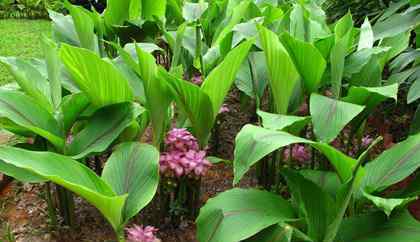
(366, 141)
(197, 80)
(142, 234)
(183, 156)
(224, 109)
(301, 153)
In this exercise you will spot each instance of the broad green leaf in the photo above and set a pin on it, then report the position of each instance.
(84, 26)
(414, 92)
(238, 14)
(393, 165)
(397, 44)
(330, 116)
(135, 9)
(238, 214)
(376, 227)
(329, 181)
(102, 129)
(366, 39)
(392, 9)
(325, 46)
(133, 169)
(388, 204)
(32, 82)
(252, 77)
(415, 124)
(70, 174)
(219, 81)
(343, 34)
(282, 72)
(413, 188)
(370, 75)
(194, 103)
(308, 61)
(358, 60)
(19, 173)
(71, 108)
(361, 95)
(158, 96)
(396, 24)
(153, 8)
(345, 194)
(26, 112)
(275, 233)
(253, 143)
(98, 78)
(193, 11)
(53, 64)
(289, 123)
(370, 97)
(246, 30)
(63, 28)
(298, 23)
(116, 12)
(404, 60)
(317, 206)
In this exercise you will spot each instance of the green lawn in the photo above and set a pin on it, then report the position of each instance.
(19, 37)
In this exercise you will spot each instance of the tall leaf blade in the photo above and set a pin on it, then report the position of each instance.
(52, 60)
(308, 61)
(195, 104)
(116, 13)
(366, 39)
(158, 96)
(343, 34)
(219, 81)
(282, 72)
(318, 206)
(84, 26)
(153, 8)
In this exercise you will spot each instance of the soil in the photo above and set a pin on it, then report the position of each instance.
(23, 209)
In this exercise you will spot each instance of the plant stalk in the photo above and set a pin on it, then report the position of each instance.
(66, 205)
(51, 207)
(198, 48)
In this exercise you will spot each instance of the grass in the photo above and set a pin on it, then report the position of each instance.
(20, 37)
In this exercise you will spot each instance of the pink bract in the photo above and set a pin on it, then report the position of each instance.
(183, 156)
(142, 234)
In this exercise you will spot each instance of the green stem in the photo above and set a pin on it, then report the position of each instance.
(120, 235)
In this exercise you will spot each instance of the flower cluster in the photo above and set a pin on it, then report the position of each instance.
(142, 234)
(183, 156)
(224, 109)
(197, 80)
(299, 153)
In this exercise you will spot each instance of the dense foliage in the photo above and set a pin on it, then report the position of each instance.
(164, 68)
(28, 8)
